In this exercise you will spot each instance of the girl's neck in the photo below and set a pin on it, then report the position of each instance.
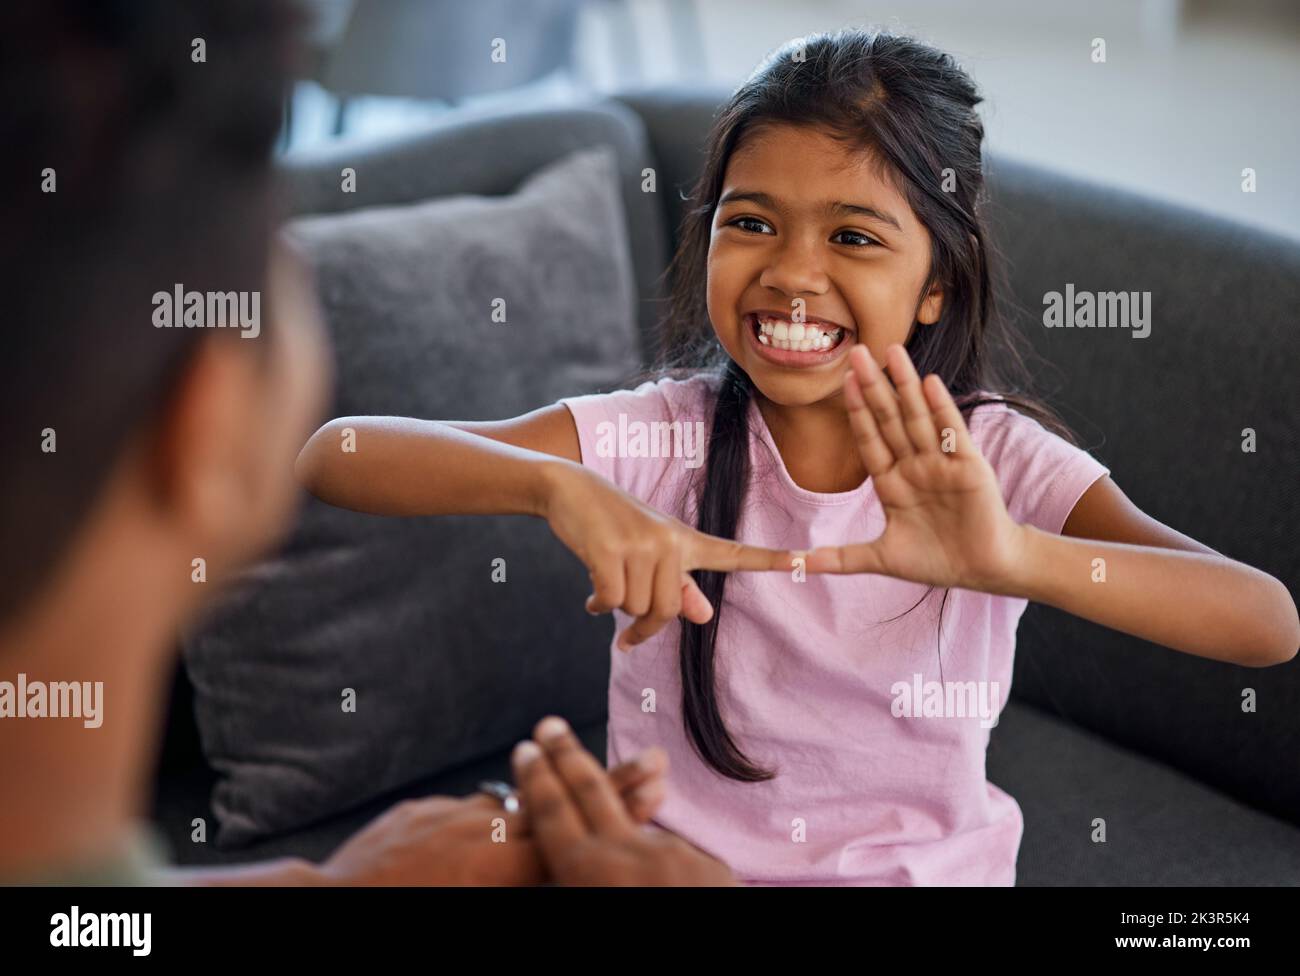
(816, 444)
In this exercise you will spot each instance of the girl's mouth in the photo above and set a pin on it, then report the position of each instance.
(785, 343)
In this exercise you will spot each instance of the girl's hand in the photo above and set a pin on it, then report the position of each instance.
(945, 521)
(639, 559)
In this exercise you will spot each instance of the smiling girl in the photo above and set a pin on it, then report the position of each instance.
(835, 252)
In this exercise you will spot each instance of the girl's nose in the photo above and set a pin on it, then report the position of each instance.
(794, 271)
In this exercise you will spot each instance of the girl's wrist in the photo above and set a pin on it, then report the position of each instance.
(553, 475)
(1014, 574)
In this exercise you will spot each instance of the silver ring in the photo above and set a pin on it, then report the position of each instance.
(503, 792)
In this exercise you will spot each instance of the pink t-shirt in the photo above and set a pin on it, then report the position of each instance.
(830, 681)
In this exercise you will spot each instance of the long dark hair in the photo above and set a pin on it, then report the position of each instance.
(915, 108)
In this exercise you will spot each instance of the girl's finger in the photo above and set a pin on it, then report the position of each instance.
(665, 604)
(703, 551)
(639, 585)
(876, 455)
(667, 600)
(860, 557)
(882, 402)
(607, 587)
(695, 605)
(918, 420)
(946, 414)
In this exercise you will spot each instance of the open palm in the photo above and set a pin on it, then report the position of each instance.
(945, 521)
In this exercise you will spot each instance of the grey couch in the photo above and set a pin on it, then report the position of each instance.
(1100, 727)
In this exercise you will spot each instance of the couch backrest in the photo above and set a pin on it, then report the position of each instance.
(1170, 414)
(1166, 413)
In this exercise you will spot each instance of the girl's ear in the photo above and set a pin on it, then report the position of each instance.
(931, 305)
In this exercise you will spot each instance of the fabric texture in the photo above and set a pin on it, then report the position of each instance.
(441, 657)
(830, 680)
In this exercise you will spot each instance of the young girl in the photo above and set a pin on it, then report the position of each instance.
(827, 723)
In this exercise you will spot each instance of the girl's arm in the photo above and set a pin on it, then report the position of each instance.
(1179, 594)
(400, 466)
(639, 560)
(1163, 571)
(946, 525)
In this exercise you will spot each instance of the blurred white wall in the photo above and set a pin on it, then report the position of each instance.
(1191, 93)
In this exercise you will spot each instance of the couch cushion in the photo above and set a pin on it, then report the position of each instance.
(447, 665)
(489, 153)
(184, 797)
(1162, 826)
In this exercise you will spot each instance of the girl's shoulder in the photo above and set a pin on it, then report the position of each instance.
(665, 397)
(648, 438)
(1042, 475)
(997, 420)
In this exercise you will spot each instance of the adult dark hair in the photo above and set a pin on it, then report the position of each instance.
(137, 142)
(913, 108)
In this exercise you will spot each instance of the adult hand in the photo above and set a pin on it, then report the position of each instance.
(439, 840)
(472, 841)
(582, 829)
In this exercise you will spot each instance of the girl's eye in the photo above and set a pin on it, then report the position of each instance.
(752, 225)
(856, 239)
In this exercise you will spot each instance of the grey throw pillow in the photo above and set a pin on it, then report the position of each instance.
(444, 663)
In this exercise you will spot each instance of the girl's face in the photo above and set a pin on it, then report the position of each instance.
(806, 228)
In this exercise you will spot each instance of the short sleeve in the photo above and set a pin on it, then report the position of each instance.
(1041, 474)
(647, 439)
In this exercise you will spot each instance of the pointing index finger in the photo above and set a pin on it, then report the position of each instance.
(728, 556)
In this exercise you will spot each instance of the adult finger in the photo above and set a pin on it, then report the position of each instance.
(553, 817)
(583, 777)
(642, 783)
(648, 766)
(644, 802)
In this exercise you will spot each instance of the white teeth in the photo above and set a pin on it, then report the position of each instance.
(797, 336)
